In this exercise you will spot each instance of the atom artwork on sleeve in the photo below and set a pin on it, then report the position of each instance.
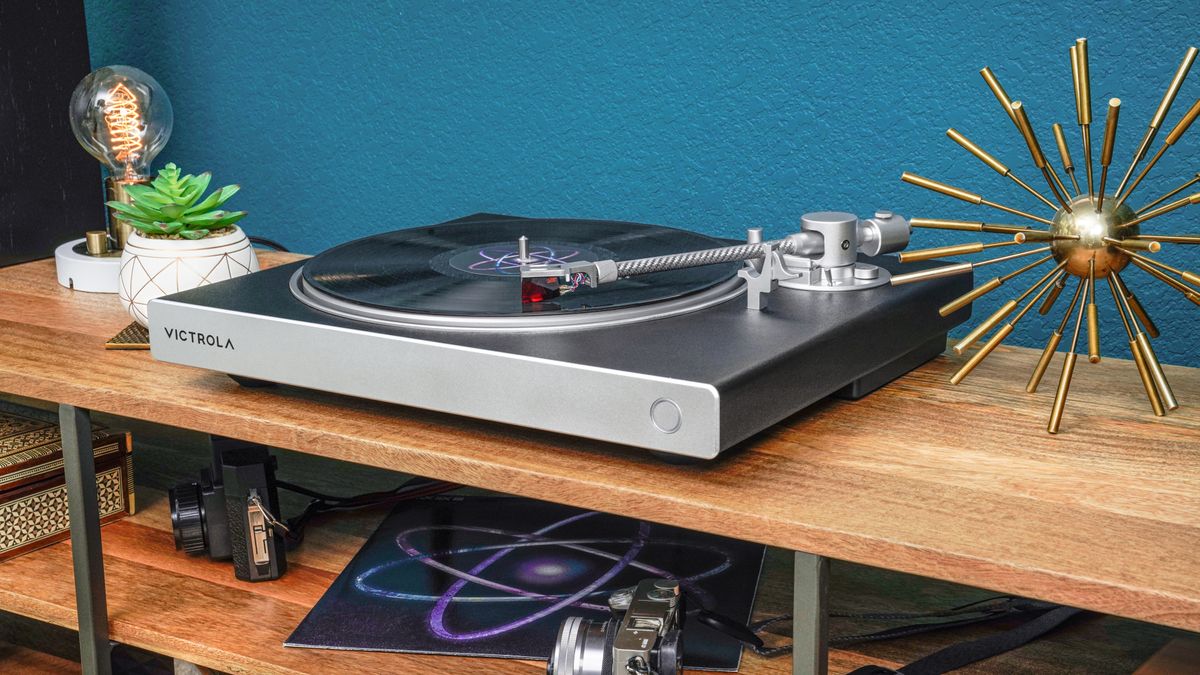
(1092, 235)
(496, 576)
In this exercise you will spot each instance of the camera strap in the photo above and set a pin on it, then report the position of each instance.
(964, 653)
(1045, 618)
(256, 503)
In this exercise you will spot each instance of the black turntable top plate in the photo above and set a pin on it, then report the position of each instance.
(469, 268)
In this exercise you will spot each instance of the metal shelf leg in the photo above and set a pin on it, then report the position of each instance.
(810, 615)
(80, 468)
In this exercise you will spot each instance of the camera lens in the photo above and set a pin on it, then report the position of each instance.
(583, 647)
(187, 518)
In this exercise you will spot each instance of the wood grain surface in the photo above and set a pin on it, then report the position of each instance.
(955, 483)
(159, 598)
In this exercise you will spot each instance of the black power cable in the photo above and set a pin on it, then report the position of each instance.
(323, 503)
(269, 243)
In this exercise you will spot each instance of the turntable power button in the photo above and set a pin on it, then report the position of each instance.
(666, 416)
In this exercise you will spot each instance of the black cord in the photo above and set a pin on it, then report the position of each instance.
(322, 503)
(269, 243)
(979, 611)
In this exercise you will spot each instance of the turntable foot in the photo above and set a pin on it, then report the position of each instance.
(250, 382)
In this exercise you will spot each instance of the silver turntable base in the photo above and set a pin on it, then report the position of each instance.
(693, 377)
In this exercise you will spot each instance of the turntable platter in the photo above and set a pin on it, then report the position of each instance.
(466, 274)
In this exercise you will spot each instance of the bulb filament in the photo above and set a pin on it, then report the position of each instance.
(123, 117)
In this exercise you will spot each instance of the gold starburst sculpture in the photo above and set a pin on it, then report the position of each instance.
(1092, 235)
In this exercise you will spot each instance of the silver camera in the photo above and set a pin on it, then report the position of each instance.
(643, 637)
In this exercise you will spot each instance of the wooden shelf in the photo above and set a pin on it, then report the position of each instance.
(191, 608)
(194, 609)
(955, 483)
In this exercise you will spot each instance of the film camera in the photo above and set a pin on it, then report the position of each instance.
(228, 513)
(643, 637)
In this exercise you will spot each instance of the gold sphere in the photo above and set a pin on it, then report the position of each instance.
(1091, 228)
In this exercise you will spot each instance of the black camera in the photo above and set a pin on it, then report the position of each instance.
(231, 512)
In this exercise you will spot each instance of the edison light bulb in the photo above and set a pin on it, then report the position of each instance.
(123, 118)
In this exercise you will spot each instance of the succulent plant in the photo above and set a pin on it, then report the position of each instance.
(171, 205)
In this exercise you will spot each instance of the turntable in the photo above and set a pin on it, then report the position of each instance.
(648, 336)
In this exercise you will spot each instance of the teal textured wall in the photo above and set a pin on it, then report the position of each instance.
(349, 118)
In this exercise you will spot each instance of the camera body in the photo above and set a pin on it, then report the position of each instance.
(228, 513)
(644, 635)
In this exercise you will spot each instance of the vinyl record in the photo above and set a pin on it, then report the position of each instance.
(470, 268)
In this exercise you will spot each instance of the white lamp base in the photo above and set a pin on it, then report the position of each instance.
(83, 272)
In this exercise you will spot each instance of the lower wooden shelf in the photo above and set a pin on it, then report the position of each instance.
(194, 609)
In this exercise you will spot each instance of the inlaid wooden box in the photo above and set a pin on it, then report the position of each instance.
(33, 491)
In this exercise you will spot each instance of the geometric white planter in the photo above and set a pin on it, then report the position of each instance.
(152, 268)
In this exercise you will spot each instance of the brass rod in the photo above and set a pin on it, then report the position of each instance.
(996, 339)
(1180, 129)
(998, 91)
(1145, 170)
(1011, 256)
(1160, 114)
(1062, 188)
(969, 297)
(960, 268)
(1168, 238)
(1086, 133)
(1030, 190)
(1188, 292)
(1013, 275)
(982, 354)
(985, 326)
(1002, 313)
(1035, 151)
(966, 225)
(1053, 297)
(1156, 370)
(1062, 325)
(1195, 179)
(1166, 208)
(1031, 236)
(1064, 380)
(1060, 139)
(987, 287)
(945, 251)
(981, 154)
(1083, 104)
(1015, 212)
(943, 188)
(1187, 277)
(1110, 137)
(1133, 244)
(1062, 274)
(1143, 371)
(1136, 305)
(1093, 317)
(1039, 370)
(1156, 373)
(1044, 279)
(931, 273)
(1112, 286)
(1085, 82)
(1052, 344)
(965, 195)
